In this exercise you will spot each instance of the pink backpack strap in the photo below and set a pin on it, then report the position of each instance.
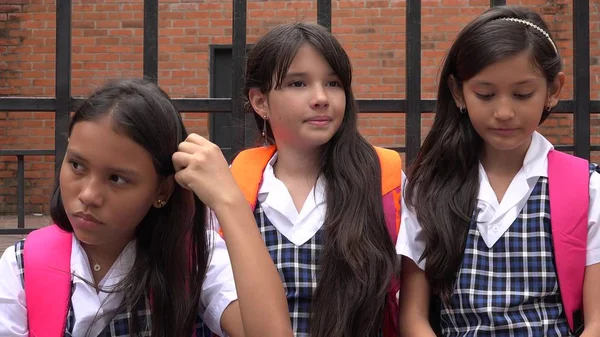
(47, 276)
(568, 186)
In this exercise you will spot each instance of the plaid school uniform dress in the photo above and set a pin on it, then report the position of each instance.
(119, 325)
(511, 289)
(297, 266)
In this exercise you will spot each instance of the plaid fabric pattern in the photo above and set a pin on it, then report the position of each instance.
(70, 323)
(119, 325)
(19, 246)
(510, 289)
(297, 266)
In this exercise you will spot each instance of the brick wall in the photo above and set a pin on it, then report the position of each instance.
(107, 42)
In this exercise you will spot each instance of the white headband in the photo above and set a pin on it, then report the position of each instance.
(525, 22)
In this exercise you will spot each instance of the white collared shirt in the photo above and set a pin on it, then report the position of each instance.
(279, 207)
(495, 218)
(218, 290)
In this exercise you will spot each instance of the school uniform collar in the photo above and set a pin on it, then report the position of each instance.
(279, 208)
(535, 165)
(271, 183)
(493, 217)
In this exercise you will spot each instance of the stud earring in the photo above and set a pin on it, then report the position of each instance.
(160, 203)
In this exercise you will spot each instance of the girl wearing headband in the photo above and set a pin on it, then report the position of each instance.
(477, 237)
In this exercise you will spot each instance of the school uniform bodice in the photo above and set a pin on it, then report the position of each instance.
(507, 280)
(96, 312)
(510, 289)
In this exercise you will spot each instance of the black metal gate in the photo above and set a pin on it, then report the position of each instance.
(580, 106)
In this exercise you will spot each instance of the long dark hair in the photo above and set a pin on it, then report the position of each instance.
(444, 178)
(358, 258)
(165, 269)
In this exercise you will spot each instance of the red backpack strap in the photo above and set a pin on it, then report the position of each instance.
(568, 187)
(391, 187)
(47, 276)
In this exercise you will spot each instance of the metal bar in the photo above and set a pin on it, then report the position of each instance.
(16, 231)
(377, 105)
(324, 13)
(427, 105)
(564, 147)
(581, 77)
(20, 191)
(26, 152)
(564, 107)
(237, 84)
(203, 105)
(497, 3)
(217, 105)
(224, 105)
(27, 104)
(212, 50)
(63, 79)
(413, 79)
(151, 40)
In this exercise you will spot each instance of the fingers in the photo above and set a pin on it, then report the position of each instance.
(196, 139)
(188, 147)
(181, 160)
(196, 143)
(182, 179)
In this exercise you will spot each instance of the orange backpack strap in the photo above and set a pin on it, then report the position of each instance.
(391, 189)
(247, 169)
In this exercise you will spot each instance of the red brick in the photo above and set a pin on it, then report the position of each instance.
(107, 43)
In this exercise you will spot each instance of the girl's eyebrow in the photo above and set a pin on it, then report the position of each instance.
(485, 83)
(75, 155)
(124, 171)
(297, 74)
(305, 74)
(119, 170)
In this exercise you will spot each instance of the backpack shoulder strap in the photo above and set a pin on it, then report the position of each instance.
(47, 276)
(247, 169)
(568, 187)
(391, 169)
(391, 188)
